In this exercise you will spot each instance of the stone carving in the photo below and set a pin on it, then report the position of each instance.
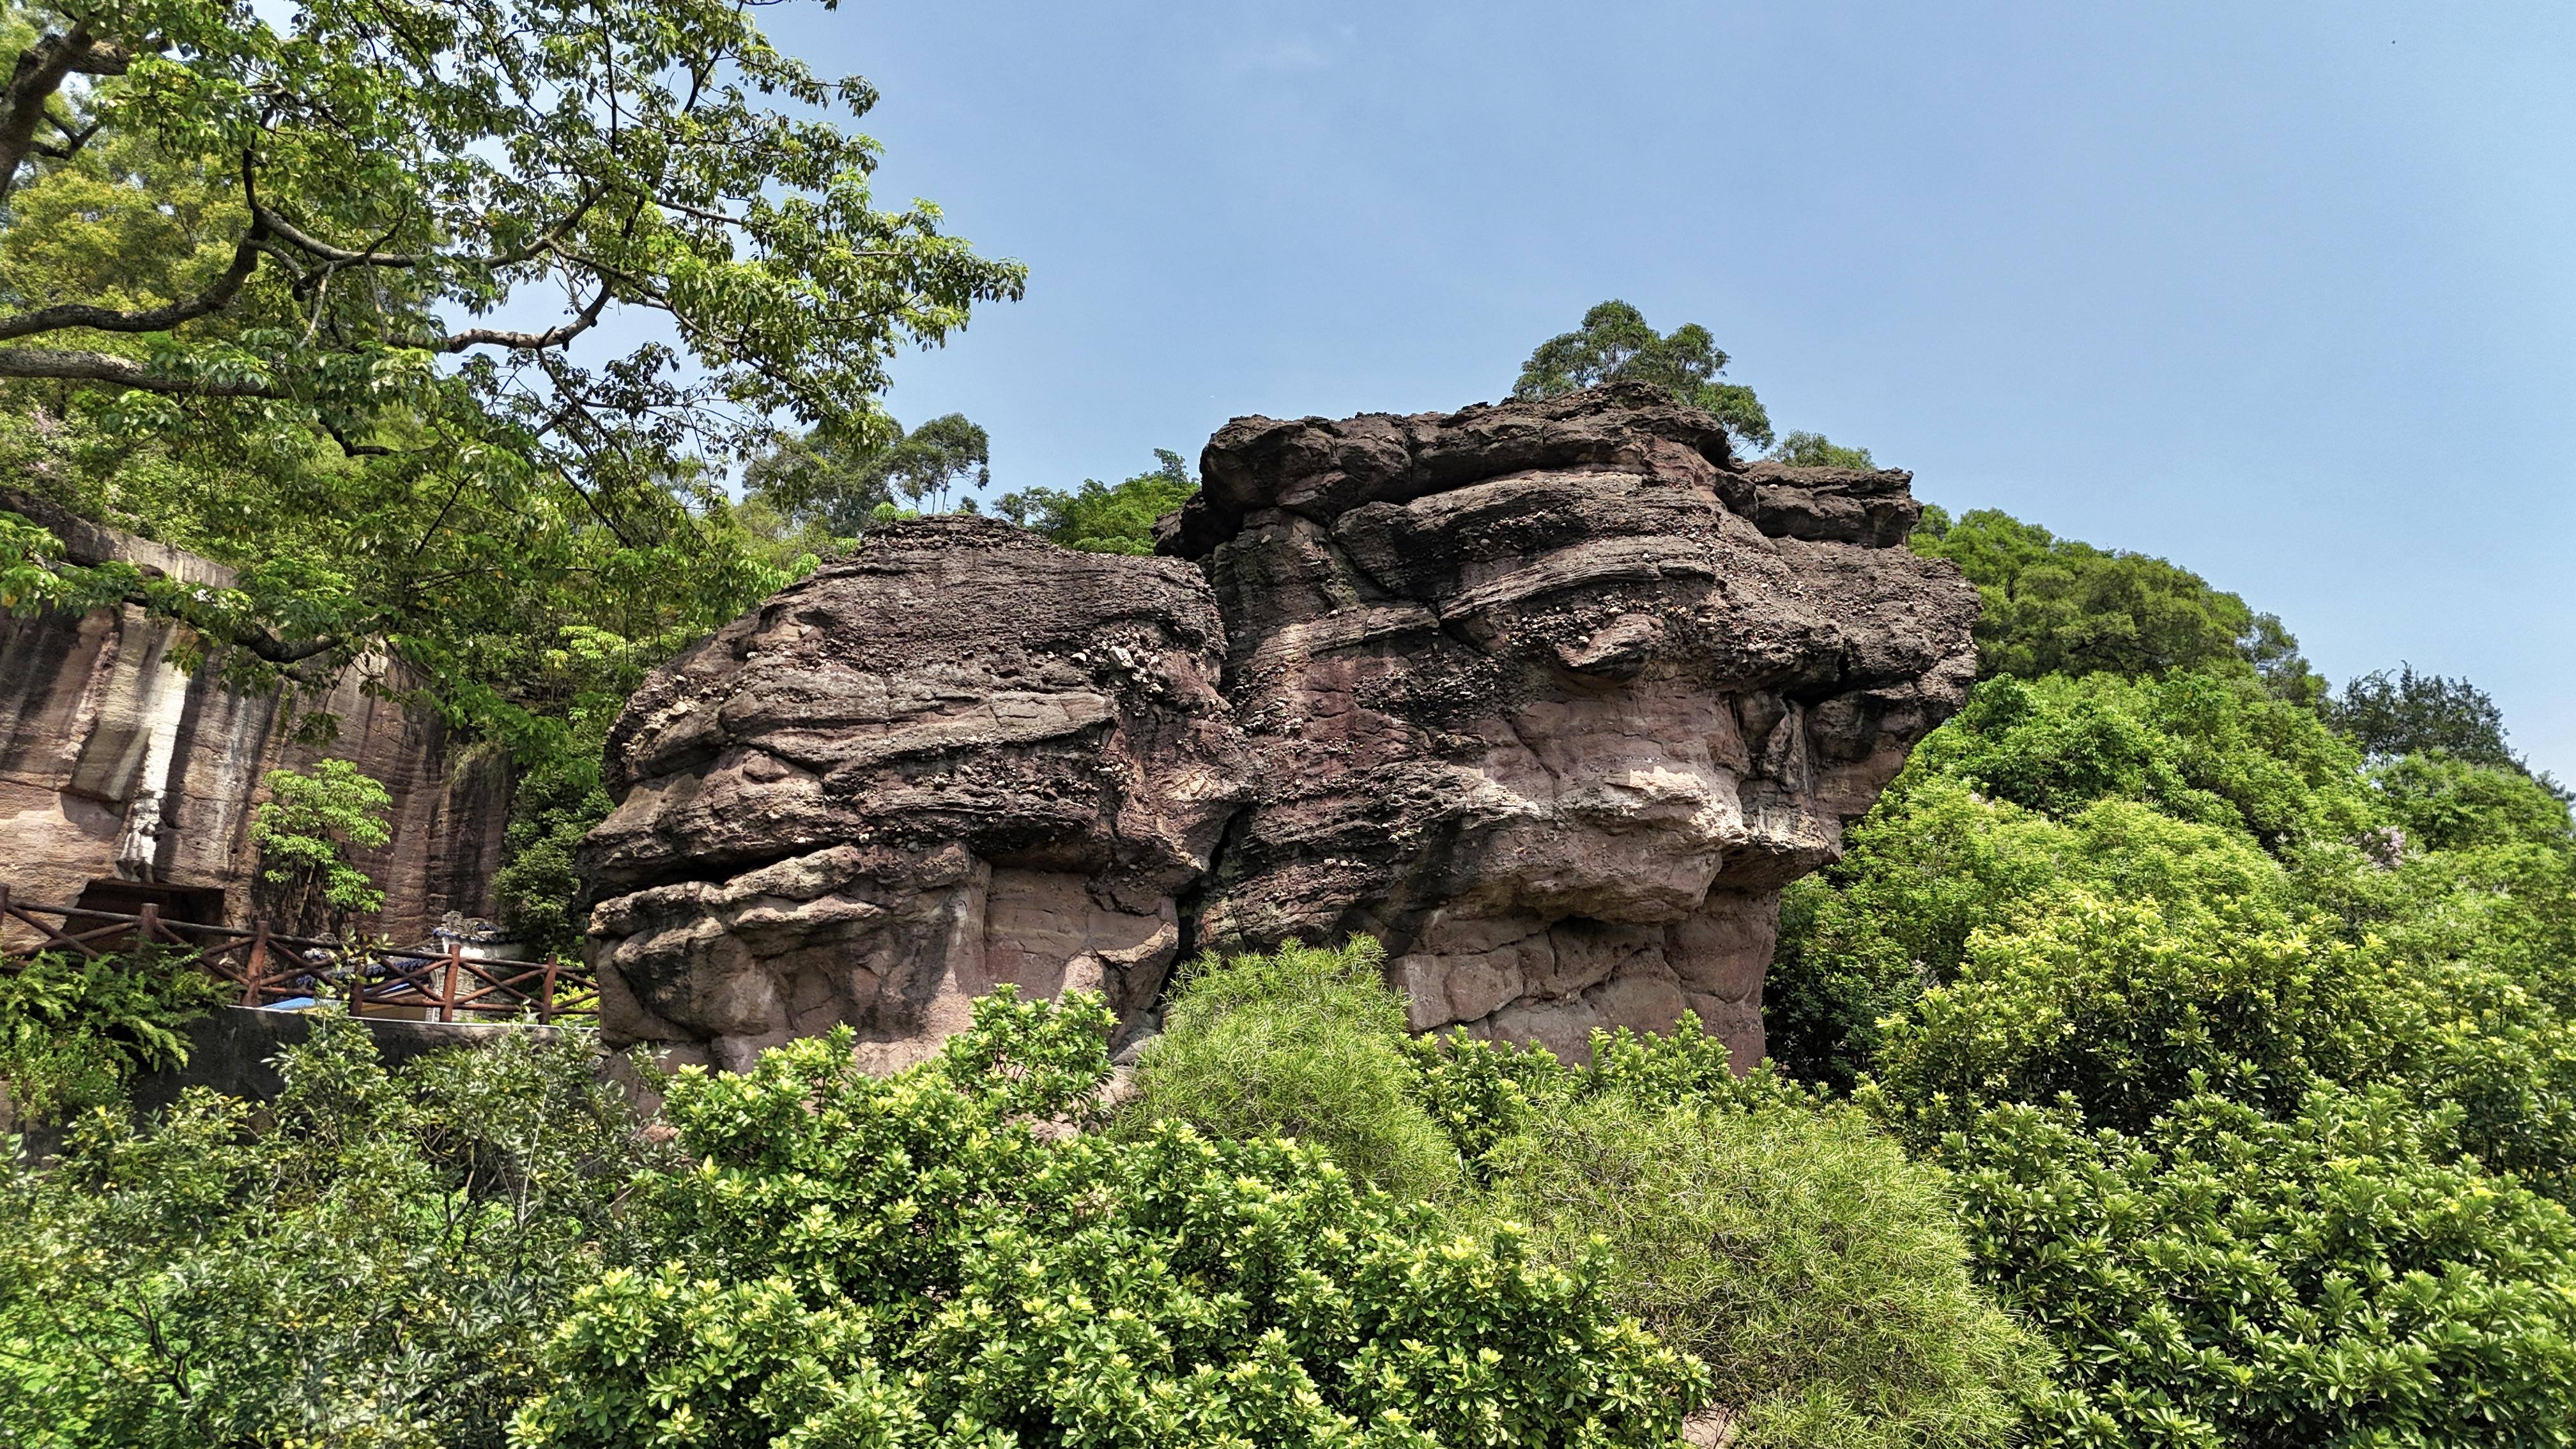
(960, 758)
(1552, 696)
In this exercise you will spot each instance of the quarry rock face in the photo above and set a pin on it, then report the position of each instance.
(1552, 697)
(961, 758)
(125, 779)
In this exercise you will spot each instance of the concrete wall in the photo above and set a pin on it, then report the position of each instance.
(229, 1050)
(114, 764)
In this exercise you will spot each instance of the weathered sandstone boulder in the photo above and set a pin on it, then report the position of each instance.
(1554, 697)
(960, 758)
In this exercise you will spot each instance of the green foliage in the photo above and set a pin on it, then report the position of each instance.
(835, 484)
(2198, 748)
(374, 1260)
(1100, 518)
(2256, 1064)
(2340, 1275)
(912, 1261)
(1305, 1043)
(75, 1029)
(1813, 450)
(1819, 1273)
(252, 270)
(1789, 1245)
(1615, 344)
(2056, 606)
(305, 830)
(2444, 803)
(555, 805)
(2393, 715)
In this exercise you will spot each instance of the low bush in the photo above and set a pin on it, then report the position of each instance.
(1819, 1273)
(1304, 1043)
(1786, 1242)
(75, 1030)
(375, 1259)
(2341, 1276)
(910, 1260)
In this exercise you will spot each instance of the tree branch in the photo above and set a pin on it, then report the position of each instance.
(40, 71)
(290, 232)
(156, 319)
(555, 336)
(70, 366)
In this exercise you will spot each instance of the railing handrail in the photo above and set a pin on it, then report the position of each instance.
(408, 978)
(238, 933)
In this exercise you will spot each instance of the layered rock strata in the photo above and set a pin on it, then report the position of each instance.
(959, 759)
(1553, 697)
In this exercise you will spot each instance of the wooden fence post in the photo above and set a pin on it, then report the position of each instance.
(546, 996)
(352, 963)
(255, 967)
(147, 926)
(447, 988)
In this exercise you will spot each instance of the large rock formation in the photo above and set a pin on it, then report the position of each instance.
(125, 779)
(961, 758)
(1552, 697)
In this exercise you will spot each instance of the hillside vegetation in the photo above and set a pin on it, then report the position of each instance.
(2180, 1054)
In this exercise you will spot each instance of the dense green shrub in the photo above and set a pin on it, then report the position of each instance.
(1305, 1043)
(2052, 605)
(2197, 799)
(2338, 1276)
(75, 1029)
(374, 1260)
(2256, 1064)
(855, 1260)
(2444, 803)
(1819, 1273)
(1787, 1242)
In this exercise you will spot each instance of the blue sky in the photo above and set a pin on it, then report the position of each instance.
(2283, 292)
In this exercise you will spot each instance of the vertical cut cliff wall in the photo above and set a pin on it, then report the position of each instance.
(115, 766)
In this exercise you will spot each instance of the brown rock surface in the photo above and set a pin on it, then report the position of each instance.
(117, 766)
(1553, 697)
(960, 758)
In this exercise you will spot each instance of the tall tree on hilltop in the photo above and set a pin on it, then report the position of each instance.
(1615, 344)
(838, 484)
(2394, 714)
(332, 292)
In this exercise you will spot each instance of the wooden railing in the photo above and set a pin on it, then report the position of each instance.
(271, 968)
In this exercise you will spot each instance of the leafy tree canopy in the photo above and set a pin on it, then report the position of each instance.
(2057, 606)
(1105, 518)
(1813, 450)
(2391, 715)
(1615, 344)
(837, 484)
(305, 830)
(440, 321)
